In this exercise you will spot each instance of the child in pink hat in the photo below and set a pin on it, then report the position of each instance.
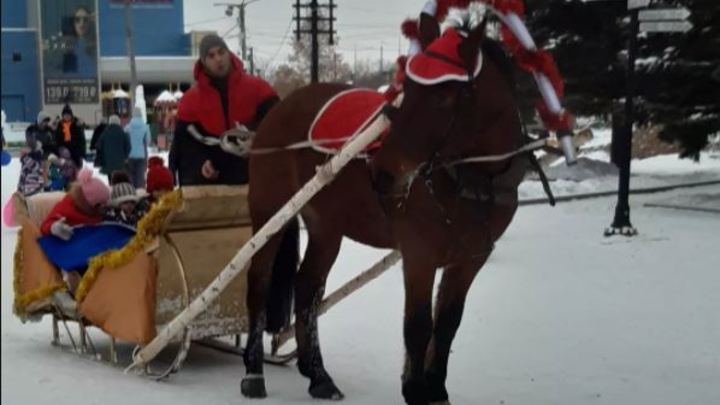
(84, 204)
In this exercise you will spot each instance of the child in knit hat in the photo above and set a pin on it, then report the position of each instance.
(61, 170)
(126, 206)
(55, 180)
(160, 179)
(32, 174)
(84, 204)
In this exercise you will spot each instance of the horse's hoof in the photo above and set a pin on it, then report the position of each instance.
(437, 393)
(253, 387)
(325, 389)
(415, 392)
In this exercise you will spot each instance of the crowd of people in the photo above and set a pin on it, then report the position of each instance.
(53, 159)
(56, 150)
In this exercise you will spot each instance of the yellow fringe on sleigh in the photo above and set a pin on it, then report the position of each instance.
(148, 230)
(23, 300)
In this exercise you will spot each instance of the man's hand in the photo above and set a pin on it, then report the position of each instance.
(61, 229)
(208, 171)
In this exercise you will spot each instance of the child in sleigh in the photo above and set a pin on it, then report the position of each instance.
(84, 204)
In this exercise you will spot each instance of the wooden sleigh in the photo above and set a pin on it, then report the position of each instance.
(131, 295)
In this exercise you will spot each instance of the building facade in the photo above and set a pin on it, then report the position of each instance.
(38, 40)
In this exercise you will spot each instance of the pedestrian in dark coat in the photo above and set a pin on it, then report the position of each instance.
(70, 133)
(99, 129)
(43, 133)
(113, 148)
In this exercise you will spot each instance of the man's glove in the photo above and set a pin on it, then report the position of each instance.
(61, 229)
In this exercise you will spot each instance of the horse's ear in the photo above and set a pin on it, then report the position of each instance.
(429, 30)
(469, 48)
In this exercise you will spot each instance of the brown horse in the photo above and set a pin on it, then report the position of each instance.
(407, 196)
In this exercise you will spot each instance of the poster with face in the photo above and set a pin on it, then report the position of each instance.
(69, 51)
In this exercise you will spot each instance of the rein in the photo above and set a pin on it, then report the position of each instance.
(229, 146)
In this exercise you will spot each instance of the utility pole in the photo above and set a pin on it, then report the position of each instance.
(315, 57)
(335, 70)
(315, 30)
(130, 50)
(382, 57)
(251, 59)
(355, 64)
(242, 38)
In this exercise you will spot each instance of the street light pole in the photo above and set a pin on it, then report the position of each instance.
(242, 38)
(130, 50)
(621, 223)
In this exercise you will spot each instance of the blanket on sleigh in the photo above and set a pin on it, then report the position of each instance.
(86, 243)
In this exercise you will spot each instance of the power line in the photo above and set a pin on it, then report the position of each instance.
(229, 31)
(205, 21)
(277, 51)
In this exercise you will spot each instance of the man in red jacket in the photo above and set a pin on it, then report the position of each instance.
(223, 97)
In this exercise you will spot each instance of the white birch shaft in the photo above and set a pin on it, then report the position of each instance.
(325, 175)
(348, 288)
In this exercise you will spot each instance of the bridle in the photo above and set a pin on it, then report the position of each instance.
(402, 187)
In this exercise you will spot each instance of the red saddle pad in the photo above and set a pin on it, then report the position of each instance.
(344, 116)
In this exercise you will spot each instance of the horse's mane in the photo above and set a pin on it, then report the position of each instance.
(468, 19)
(495, 51)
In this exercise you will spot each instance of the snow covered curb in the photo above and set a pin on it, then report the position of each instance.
(646, 190)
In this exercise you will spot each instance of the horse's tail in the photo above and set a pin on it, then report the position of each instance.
(280, 295)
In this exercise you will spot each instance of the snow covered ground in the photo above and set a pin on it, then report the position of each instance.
(595, 173)
(560, 315)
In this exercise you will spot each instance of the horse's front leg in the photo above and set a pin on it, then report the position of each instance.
(258, 280)
(417, 328)
(319, 257)
(454, 286)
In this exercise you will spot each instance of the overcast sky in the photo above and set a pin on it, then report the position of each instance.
(361, 24)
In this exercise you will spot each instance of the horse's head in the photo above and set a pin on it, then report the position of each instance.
(438, 104)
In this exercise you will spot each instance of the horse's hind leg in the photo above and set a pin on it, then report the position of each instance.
(319, 257)
(454, 286)
(417, 328)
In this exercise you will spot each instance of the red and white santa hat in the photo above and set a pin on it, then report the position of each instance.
(441, 61)
(437, 9)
